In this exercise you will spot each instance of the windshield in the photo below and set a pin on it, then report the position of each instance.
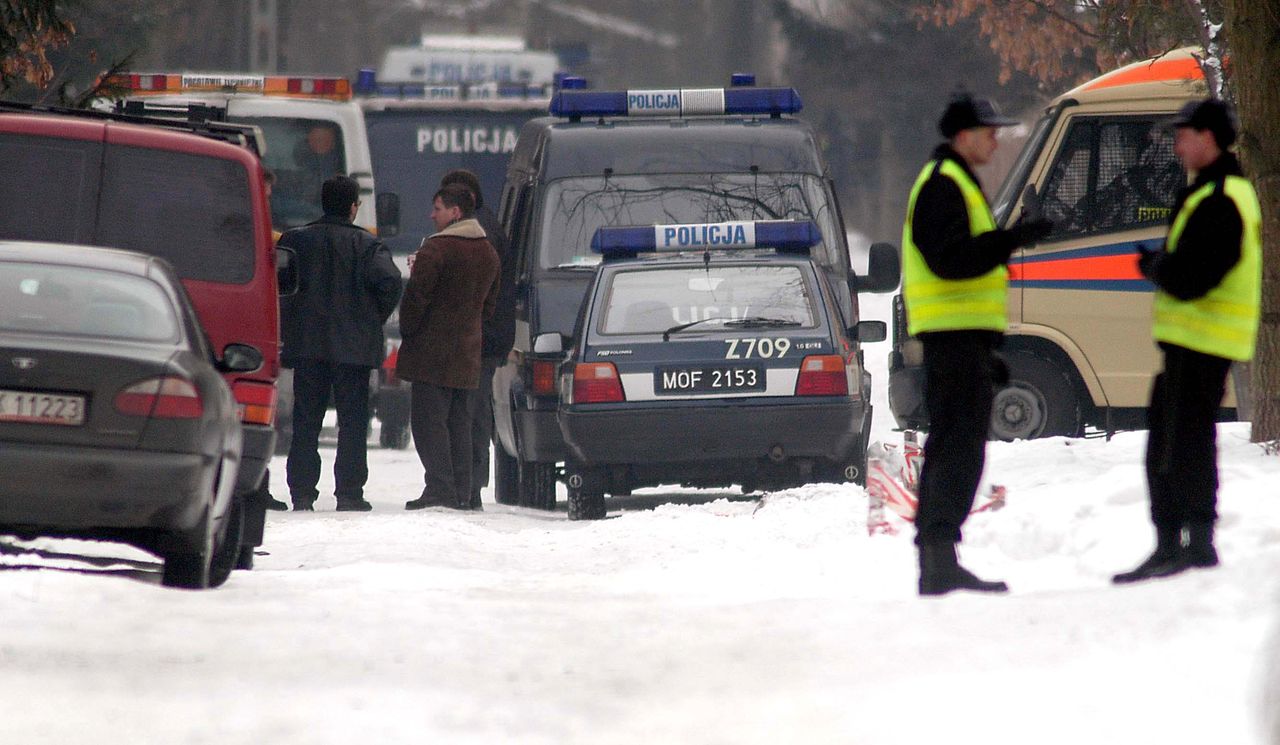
(652, 301)
(1012, 186)
(302, 153)
(575, 207)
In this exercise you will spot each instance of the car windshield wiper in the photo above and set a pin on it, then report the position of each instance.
(760, 322)
(666, 335)
(577, 266)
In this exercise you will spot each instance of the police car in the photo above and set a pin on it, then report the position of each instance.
(720, 357)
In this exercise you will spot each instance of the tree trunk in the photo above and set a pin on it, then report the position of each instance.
(1253, 27)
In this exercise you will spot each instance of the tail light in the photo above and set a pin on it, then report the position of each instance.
(596, 383)
(257, 402)
(389, 364)
(169, 397)
(822, 375)
(544, 377)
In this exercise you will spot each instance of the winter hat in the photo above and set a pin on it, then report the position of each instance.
(1212, 114)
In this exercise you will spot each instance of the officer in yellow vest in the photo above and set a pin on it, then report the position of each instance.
(955, 284)
(1208, 284)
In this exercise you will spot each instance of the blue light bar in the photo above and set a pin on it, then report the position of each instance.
(675, 102)
(739, 79)
(784, 235)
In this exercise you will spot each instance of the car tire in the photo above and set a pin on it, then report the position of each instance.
(1039, 401)
(188, 568)
(537, 485)
(226, 551)
(506, 477)
(586, 505)
(245, 559)
(394, 438)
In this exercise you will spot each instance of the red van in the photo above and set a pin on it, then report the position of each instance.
(190, 192)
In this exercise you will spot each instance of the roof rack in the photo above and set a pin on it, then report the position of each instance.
(199, 119)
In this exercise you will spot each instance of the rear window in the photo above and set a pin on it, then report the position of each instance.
(302, 153)
(80, 301)
(193, 210)
(49, 189)
(653, 300)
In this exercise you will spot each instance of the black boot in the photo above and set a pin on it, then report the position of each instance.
(1165, 561)
(1200, 553)
(940, 572)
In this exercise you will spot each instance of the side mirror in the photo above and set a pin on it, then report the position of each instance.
(240, 358)
(286, 271)
(388, 212)
(870, 331)
(884, 268)
(548, 344)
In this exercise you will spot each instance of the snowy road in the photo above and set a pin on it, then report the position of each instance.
(718, 621)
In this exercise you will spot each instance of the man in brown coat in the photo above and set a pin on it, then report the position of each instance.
(453, 285)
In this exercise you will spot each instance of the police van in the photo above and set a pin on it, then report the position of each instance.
(637, 157)
(1099, 162)
(726, 361)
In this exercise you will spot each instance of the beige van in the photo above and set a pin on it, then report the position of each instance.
(1079, 342)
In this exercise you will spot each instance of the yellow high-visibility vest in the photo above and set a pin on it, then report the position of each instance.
(1224, 321)
(937, 304)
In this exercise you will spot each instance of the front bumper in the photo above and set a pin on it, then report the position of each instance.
(59, 488)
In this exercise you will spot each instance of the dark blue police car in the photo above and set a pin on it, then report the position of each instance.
(723, 358)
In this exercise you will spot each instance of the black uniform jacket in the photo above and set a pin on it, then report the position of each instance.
(1210, 242)
(348, 287)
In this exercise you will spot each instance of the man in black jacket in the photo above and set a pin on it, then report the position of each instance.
(1208, 284)
(499, 332)
(332, 338)
(955, 284)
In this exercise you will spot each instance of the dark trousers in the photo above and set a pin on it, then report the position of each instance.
(1182, 449)
(441, 421)
(313, 384)
(958, 392)
(482, 425)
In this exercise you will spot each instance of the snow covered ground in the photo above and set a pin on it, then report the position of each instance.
(712, 619)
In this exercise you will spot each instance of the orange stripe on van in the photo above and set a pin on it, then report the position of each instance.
(1186, 68)
(1124, 266)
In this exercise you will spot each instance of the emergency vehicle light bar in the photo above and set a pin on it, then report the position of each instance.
(367, 84)
(783, 235)
(677, 102)
(275, 85)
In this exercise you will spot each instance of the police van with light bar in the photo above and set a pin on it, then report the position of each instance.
(714, 362)
(642, 157)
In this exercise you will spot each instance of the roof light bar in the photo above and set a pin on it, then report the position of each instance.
(300, 86)
(677, 102)
(784, 235)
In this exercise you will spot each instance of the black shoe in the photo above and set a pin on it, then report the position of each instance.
(1200, 553)
(276, 504)
(475, 505)
(303, 507)
(940, 573)
(421, 503)
(1167, 560)
(354, 505)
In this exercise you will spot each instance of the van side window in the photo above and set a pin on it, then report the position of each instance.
(193, 210)
(1112, 174)
(49, 188)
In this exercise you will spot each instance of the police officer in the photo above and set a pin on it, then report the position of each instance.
(1208, 290)
(955, 284)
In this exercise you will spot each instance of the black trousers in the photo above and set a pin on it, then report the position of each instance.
(314, 382)
(441, 421)
(958, 392)
(1182, 447)
(482, 425)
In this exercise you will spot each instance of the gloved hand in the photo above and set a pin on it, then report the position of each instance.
(1028, 232)
(1148, 258)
